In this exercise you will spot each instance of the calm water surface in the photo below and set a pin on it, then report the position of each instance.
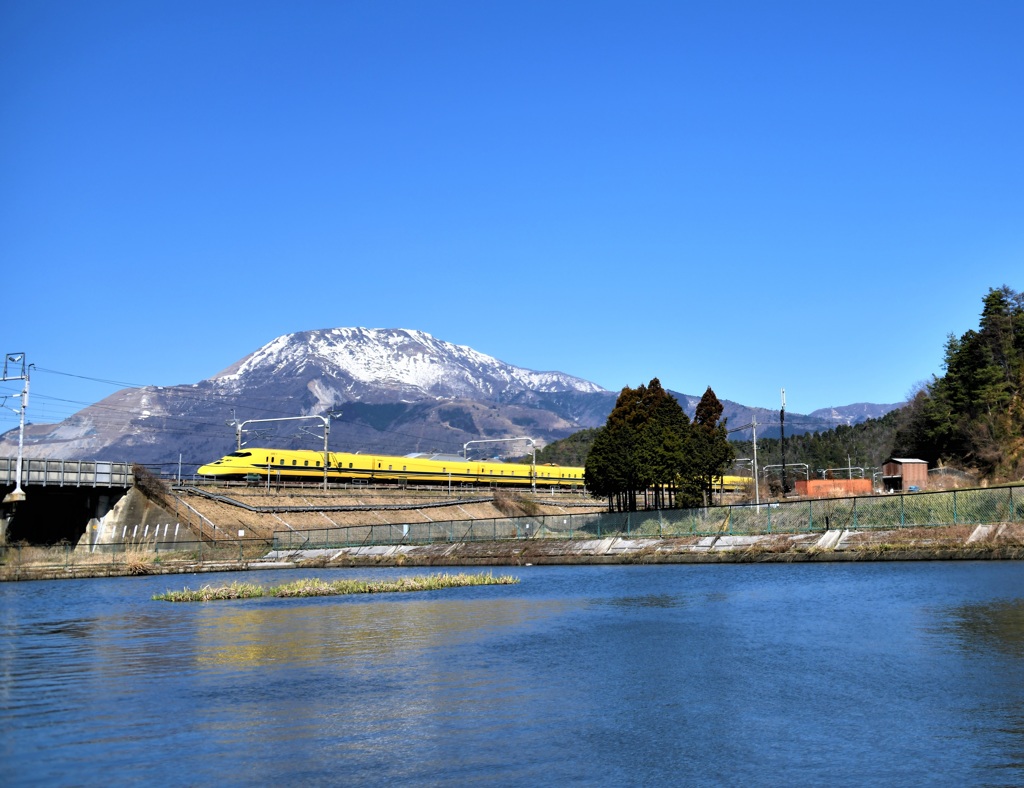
(907, 674)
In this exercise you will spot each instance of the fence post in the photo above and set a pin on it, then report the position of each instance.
(854, 514)
(1013, 515)
(954, 507)
(903, 520)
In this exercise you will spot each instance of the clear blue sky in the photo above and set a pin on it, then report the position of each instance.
(747, 195)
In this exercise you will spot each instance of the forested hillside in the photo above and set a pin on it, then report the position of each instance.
(973, 416)
(568, 451)
(864, 445)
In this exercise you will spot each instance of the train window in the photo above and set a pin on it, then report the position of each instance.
(282, 460)
(378, 464)
(240, 454)
(403, 467)
(295, 462)
(306, 462)
(318, 463)
(350, 465)
(389, 467)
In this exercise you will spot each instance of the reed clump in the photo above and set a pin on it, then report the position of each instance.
(314, 586)
(210, 593)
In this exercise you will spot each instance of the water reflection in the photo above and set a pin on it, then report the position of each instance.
(350, 633)
(907, 674)
(647, 600)
(985, 626)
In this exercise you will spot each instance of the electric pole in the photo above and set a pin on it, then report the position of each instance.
(782, 437)
(11, 364)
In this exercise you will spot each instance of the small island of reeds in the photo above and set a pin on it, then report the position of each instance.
(314, 586)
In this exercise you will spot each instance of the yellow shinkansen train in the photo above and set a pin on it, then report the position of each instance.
(302, 464)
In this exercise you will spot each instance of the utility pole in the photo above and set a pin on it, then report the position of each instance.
(12, 361)
(782, 438)
(325, 420)
(757, 492)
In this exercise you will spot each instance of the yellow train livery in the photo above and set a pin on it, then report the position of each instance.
(303, 464)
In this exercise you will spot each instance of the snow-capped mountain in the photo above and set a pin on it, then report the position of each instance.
(390, 391)
(388, 365)
(852, 414)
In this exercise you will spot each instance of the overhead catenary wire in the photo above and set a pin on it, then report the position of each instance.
(108, 414)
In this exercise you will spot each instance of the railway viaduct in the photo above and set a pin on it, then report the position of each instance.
(60, 497)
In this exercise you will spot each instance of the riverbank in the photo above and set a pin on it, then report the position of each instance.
(997, 542)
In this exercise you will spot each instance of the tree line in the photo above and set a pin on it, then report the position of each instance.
(973, 415)
(649, 449)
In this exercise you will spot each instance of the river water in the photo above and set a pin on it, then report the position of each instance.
(843, 674)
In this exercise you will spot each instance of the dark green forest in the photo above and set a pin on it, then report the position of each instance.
(650, 449)
(973, 415)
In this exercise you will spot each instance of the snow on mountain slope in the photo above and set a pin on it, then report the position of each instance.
(410, 364)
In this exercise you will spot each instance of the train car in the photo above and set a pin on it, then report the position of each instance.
(733, 483)
(307, 465)
(303, 464)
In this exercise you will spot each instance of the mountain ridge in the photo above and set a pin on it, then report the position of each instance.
(398, 390)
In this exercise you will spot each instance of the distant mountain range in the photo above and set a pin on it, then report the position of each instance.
(391, 391)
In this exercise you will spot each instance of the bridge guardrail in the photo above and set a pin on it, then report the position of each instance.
(66, 473)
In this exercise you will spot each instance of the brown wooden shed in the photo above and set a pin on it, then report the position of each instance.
(901, 474)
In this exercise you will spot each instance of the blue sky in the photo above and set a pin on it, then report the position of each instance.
(747, 195)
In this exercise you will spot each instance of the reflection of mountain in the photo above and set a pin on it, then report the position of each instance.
(356, 633)
(997, 626)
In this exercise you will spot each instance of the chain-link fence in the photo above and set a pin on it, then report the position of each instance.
(956, 507)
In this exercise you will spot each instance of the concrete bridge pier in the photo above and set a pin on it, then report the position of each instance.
(135, 521)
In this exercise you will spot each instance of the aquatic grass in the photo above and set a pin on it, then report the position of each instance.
(209, 593)
(314, 586)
